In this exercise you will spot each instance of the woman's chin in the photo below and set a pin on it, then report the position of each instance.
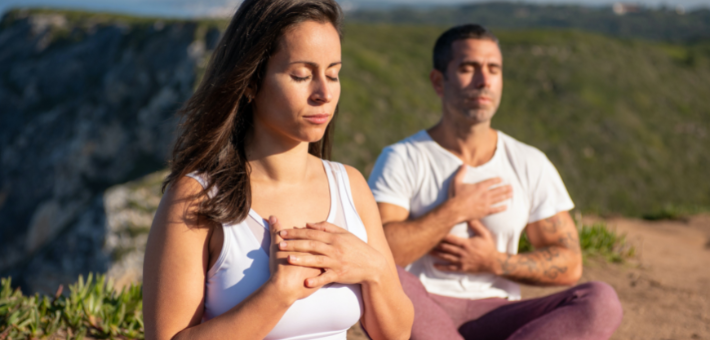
(312, 135)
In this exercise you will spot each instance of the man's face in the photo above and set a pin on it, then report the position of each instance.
(473, 83)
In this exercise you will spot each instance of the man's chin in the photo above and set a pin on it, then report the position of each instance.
(478, 116)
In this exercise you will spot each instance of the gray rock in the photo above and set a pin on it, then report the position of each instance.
(84, 106)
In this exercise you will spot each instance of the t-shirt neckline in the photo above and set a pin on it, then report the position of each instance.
(441, 149)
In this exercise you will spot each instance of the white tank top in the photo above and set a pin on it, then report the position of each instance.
(243, 266)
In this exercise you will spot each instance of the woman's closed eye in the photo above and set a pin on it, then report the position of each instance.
(300, 79)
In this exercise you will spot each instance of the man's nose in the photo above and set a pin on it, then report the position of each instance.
(481, 79)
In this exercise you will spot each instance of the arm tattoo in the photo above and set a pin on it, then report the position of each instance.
(544, 265)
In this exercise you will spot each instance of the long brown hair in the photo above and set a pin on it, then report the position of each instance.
(218, 117)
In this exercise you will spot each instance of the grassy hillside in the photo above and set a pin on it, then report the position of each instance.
(664, 23)
(627, 123)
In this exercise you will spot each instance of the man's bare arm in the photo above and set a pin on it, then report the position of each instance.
(410, 239)
(556, 260)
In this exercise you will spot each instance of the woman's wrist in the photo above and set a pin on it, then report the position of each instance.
(378, 270)
(279, 292)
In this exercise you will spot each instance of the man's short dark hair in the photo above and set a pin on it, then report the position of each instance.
(443, 52)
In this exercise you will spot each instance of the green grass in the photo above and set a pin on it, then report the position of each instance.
(92, 309)
(626, 122)
(596, 241)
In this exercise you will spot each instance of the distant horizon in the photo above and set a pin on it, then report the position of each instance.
(223, 8)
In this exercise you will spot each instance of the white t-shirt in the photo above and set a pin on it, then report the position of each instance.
(415, 174)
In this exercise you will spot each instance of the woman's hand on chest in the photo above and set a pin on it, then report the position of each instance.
(344, 257)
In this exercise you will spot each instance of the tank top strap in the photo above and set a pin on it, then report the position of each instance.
(204, 182)
(350, 213)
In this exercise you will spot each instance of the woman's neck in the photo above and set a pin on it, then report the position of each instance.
(274, 157)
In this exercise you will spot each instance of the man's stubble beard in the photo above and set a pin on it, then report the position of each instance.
(470, 115)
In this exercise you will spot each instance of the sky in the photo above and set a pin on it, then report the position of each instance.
(192, 8)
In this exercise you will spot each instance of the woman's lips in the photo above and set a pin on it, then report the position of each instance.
(317, 119)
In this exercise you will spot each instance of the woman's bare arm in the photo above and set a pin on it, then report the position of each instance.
(389, 313)
(174, 279)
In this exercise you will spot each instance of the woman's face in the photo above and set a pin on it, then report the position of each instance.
(301, 88)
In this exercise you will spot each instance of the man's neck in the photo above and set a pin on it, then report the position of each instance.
(474, 144)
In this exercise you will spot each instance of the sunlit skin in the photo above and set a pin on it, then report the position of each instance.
(472, 87)
(292, 107)
(470, 92)
(303, 87)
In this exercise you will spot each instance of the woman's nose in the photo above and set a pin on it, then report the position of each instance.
(322, 92)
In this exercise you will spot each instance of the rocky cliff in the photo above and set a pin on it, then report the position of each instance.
(86, 102)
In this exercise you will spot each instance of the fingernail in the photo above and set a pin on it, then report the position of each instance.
(282, 245)
(282, 233)
(292, 258)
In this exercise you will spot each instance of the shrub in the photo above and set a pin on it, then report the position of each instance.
(595, 240)
(92, 309)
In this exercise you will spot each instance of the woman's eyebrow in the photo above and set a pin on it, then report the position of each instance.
(314, 65)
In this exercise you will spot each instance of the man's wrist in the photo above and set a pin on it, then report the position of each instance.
(451, 210)
(497, 265)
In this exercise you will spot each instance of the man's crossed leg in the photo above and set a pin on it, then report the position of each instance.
(587, 311)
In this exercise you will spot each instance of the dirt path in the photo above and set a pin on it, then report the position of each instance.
(665, 290)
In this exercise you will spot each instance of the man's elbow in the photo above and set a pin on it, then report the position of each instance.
(573, 275)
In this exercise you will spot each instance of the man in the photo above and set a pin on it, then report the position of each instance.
(454, 201)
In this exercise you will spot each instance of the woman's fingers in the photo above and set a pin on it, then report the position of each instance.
(307, 234)
(274, 226)
(325, 226)
(321, 280)
(305, 246)
(313, 261)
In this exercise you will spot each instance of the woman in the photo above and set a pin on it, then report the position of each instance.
(251, 145)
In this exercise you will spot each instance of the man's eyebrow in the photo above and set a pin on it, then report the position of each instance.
(478, 63)
(312, 64)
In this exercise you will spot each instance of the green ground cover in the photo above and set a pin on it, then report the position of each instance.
(94, 309)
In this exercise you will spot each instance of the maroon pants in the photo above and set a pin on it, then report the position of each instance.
(587, 311)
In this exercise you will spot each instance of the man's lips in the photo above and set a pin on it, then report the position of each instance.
(480, 99)
(317, 118)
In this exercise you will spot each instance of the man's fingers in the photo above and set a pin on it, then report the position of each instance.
(479, 229)
(500, 194)
(323, 279)
(445, 256)
(447, 267)
(458, 179)
(455, 240)
(305, 246)
(490, 182)
(497, 209)
(449, 248)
